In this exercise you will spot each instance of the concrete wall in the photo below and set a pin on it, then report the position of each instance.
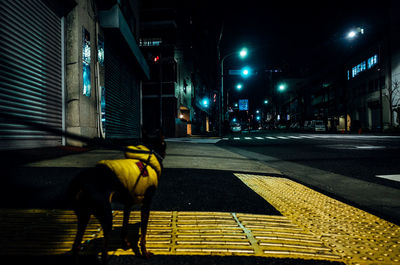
(81, 111)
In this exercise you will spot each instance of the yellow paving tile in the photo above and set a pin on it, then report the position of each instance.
(38, 232)
(355, 235)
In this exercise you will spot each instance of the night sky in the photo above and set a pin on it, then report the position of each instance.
(289, 30)
(297, 37)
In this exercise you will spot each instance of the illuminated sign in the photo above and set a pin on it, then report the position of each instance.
(86, 62)
(100, 51)
(243, 104)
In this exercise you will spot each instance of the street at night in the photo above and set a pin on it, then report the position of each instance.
(200, 132)
(342, 165)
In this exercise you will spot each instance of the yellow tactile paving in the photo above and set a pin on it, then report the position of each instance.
(355, 235)
(39, 232)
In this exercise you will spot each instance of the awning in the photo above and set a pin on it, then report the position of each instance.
(114, 19)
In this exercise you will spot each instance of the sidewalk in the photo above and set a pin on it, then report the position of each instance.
(181, 153)
(312, 226)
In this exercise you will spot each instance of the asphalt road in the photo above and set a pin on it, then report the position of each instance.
(357, 156)
(342, 166)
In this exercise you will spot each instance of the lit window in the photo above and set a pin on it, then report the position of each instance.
(150, 42)
(372, 61)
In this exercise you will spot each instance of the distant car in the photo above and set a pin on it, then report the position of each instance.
(319, 126)
(236, 127)
(315, 126)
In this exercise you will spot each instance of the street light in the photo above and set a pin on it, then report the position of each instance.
(282, 87)
(239, 86)
(266, 101)
(242, 54)
(353, 33)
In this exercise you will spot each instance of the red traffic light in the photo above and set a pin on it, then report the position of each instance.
(156, 58)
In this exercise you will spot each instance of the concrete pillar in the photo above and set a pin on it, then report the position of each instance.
(81, 110)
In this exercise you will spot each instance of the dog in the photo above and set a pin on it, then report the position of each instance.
(132, 180)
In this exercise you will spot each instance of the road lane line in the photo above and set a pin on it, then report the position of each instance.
(391, 177)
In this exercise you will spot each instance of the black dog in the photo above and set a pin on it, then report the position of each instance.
(132, 180)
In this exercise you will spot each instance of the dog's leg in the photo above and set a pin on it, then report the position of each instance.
(83, 219)
(124, 232)
(104, 216)
(144, 219)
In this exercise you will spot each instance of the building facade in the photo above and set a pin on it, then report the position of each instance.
(72, 66)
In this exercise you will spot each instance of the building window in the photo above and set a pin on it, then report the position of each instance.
(372, 61)
(364, 65)
(150, 42)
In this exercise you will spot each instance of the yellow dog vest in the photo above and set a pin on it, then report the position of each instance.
(137, 172)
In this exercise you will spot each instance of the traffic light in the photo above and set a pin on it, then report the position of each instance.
(156, 58)
(246, 72)
(205, 102)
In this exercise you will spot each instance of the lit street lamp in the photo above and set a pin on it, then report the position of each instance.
(242, 54)
(239, 86)
(353, 33)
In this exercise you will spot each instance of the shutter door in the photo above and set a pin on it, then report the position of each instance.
(30, 73)
(122, 98)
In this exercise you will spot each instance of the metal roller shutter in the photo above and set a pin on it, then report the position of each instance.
(122, 98)
(30, 73)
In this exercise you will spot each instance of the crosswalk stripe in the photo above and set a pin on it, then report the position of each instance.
(307, 136)
(391, 177)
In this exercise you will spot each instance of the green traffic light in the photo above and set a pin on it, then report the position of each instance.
(243, 52)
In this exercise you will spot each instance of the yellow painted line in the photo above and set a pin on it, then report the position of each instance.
(51, 232)
(355, 235)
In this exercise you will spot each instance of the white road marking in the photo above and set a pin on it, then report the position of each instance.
(236, 138)
(391, 177)
(282, 137)
(247, 138)
(307, 136)
(370, 147)
(270, 137)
